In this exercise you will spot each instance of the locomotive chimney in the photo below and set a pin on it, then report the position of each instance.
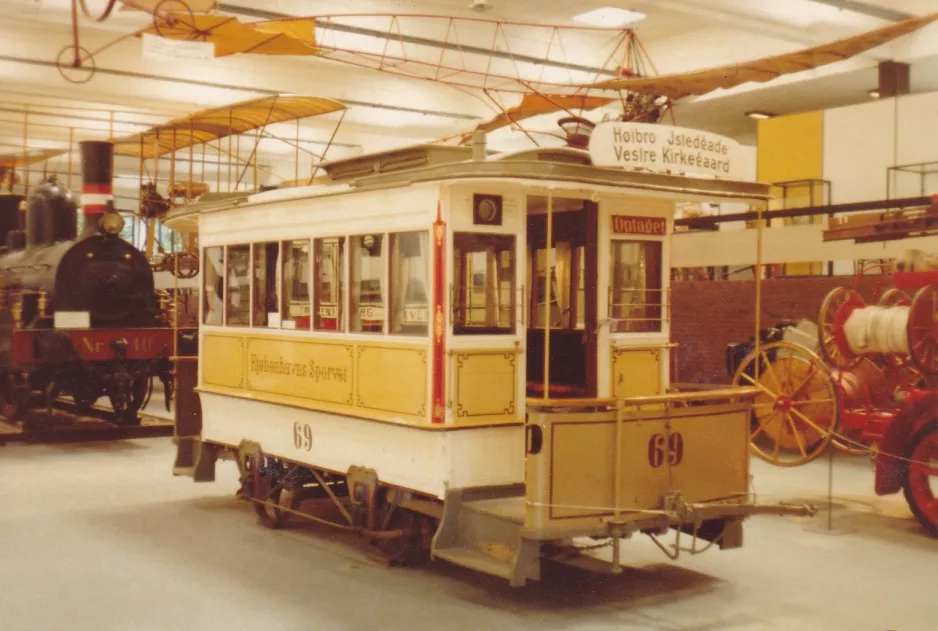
(97, 174)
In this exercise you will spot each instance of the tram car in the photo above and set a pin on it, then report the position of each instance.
(79, 316)
(445, 400)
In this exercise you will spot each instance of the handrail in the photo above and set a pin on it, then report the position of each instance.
(706, 395)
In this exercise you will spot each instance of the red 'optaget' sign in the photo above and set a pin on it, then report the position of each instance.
(624, 224)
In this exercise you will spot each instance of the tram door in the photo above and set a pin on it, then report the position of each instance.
(568, 267)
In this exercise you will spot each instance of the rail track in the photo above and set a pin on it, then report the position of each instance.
(63, 425)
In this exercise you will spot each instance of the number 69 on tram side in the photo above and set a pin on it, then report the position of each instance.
(466, 359)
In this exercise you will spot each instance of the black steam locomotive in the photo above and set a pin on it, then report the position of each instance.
(79, 315)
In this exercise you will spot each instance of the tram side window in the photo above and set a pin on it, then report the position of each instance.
(213, 285)
(330, 284)
(295, 314)
(636, 296)
(238, 274)
(368, 263)
(266, 304)
(484, 283)
(410, 273)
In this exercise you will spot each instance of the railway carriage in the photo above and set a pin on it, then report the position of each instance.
(464, 356)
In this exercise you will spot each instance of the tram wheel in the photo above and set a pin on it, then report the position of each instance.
(414, 547)
(795, 414)
(267, 495)
(920, 484)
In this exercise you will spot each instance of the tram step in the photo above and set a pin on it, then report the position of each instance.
(475, 560)
(509, 509)
(482, 529)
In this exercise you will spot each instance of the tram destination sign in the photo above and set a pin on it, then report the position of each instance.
(651, 226)
(665, 148)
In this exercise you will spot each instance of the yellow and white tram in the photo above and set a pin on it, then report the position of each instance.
(465, 356)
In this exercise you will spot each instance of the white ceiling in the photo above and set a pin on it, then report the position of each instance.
(129, 93)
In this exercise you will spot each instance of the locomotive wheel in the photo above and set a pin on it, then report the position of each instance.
(11, 407)
(795, 414)
(833, 312)
(920, 485)
(922, 331)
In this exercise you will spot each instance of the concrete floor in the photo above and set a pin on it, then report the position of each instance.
(101, 537)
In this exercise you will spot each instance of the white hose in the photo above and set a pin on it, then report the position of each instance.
(878, 330)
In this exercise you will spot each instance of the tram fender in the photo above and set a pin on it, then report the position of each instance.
(890, 470)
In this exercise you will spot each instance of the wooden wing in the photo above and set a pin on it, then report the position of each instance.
(677, 86)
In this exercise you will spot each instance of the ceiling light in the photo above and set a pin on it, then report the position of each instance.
(609, 16)
(759, 116)
(874, 94)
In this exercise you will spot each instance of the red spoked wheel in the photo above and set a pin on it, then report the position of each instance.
(921, 478)
(836, 308)
(922, 330)
(895, 297)
(795, 414)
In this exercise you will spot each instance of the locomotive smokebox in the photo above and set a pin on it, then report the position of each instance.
(97, 178)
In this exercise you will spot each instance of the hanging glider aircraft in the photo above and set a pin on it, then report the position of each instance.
(523, 59)
(547, 80)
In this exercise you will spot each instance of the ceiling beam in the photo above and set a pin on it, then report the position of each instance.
(758, 26)
(883, 13)
(260, 91)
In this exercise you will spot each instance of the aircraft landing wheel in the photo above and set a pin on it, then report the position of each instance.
(174, 19)
(795, 414)
(920, 485)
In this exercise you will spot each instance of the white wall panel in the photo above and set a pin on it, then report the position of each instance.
(859, 145)
(792, 244)
(917, 142)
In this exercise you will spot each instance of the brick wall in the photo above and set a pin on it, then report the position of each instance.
(708, 315)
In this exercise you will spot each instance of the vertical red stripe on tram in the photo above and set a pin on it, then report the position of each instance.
(439, 320)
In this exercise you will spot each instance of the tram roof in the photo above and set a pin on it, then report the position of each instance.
(562, 167)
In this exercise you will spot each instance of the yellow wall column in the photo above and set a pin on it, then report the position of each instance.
(792, 148)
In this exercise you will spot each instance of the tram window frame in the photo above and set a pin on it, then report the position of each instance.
(356, 244)
(652, 314)
(265, 310)
(318, 321)
(218, 281)
(243, 304)
(289, 285)
(410, 315)
(470, 243)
